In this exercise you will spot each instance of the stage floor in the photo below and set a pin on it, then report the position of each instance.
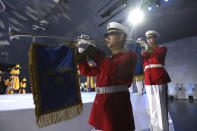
(18, 103)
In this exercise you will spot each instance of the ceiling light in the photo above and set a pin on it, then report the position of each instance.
(136, 16)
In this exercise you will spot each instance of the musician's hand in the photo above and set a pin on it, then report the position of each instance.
(83, 42)
(142, 42)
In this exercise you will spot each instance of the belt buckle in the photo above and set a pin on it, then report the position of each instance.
(105, 90)
(97, 90)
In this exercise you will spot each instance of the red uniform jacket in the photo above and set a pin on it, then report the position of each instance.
(112, 111)
(155, 75)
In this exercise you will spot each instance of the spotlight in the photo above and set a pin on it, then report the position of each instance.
(125, 3)
(157, 3)
(149, 8)
(166, 0)
(136, 16)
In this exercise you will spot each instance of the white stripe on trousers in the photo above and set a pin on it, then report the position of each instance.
(157, 98)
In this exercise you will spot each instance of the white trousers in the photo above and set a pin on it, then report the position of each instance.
(140, 86)
(157, 99)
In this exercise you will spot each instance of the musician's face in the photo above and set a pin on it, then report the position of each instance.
(152, 40)
(114, 41)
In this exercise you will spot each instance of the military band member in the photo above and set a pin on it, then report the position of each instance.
(15, 79)
(8, 85)
(22, 86)
(156, 79)
(111, 110)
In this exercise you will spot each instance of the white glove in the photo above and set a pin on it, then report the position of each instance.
(83, 42)
(142, 42)
(83, 36)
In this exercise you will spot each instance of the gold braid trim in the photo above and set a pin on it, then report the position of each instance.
(57, 115)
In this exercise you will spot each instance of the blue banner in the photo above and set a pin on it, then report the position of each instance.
(139, 69)
(55, 84)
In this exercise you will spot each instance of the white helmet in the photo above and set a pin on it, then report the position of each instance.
(116, 27)
(151, 33)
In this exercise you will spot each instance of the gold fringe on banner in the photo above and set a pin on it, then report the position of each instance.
(138, 78)
(52, 116)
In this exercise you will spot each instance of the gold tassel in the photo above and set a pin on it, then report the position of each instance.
(138, 78)
(58, 116)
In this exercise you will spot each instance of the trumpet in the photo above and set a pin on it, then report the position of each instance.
(16, 34)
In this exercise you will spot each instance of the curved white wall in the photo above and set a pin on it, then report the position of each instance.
(181, 64)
